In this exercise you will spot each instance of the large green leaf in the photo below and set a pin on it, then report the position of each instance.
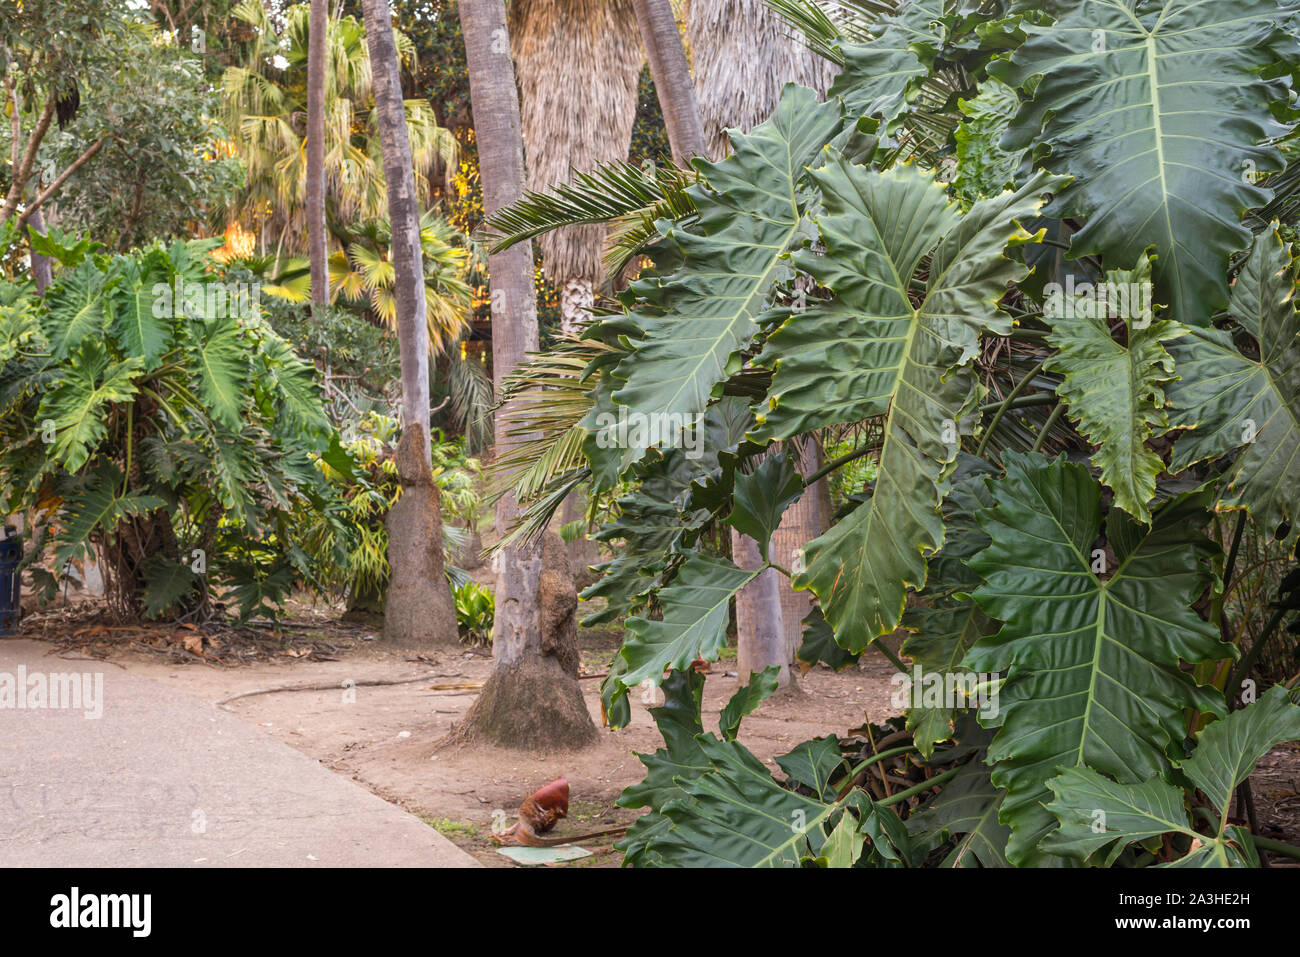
(131, 304)
(98, 509)
(945, 622)
(750, 213)
(696, 610)
(1229, 399)
(873, 350)
(1114, 391)
(878, 72)
(77, 309)
(1158, 110)
(966, 810)
(1093, 659)
(983, 167)
(1095, 812)
(220, 357)
(739, 816)
(78, 404)
(761, 498)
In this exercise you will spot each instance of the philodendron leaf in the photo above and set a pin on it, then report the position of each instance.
(750, 213)
(875, 350)
(813, 763)
(1159, 111)
(983, 167)
(945, 622)
(739, 816)
(1095, 812)
(877, 72)
(966, 810)
(1116, 392)
(1229, 399)
(678, 719)
(696, 609)
(819, 644)
(762, 497)
(1227, 750)
(1093, 657)
(77, 310)
(760, 686)
(79, 404)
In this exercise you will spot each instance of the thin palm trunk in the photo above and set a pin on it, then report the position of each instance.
(532, 699)
(419, 608)
(672, 76)
(760, 629)
(802, 522)
(316, 243)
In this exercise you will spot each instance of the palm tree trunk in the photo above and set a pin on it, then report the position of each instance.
(316, 243)
(760, 631)
(419, 608)
(672, 76)
(802, 522)
(532, 700)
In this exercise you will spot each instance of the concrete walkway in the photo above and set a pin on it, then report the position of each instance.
(163, 779)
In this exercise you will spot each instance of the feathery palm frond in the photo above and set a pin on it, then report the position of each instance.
(632, 199)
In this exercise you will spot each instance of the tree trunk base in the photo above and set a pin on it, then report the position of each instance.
(418, 609)
(531, 705)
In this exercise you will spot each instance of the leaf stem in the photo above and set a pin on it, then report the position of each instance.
(1047, 427)
(918, 788)
(1006, 404)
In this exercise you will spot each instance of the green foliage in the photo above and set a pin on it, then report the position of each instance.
(824, 291)
(475, 612)
(155, 417)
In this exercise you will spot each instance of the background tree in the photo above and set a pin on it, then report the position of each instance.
(318, 252)
(672, 78)
(532, 698)
(419, 607)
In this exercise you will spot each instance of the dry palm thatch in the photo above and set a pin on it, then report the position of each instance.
(579, 61)
(742, 54)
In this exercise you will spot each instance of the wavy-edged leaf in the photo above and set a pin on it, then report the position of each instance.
(98, 508)
(220, 367)
(77, 405)
(751, 212)
(1116, 392)
(1093, 662)
(1229, 399)
(873, 351)
(1158, 110)
(878, 72)
(133, 302)
(762, 496)
(749, 696)
(696, 610)
(819, 644)
(77, 309)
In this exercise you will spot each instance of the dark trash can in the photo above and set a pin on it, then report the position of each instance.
(11, 554)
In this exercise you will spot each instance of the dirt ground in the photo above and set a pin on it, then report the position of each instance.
(388, 738)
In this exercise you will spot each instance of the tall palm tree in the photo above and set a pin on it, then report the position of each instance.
(532, 699)
(672, 78)
(266, 124)
(577, 112)
(419, 608)
(318, 252)
(743, 54)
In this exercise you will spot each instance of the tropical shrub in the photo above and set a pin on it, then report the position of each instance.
(475, 612)
(150, 414)
(1035, 255)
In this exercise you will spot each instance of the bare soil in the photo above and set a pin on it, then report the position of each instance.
(389, 738)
